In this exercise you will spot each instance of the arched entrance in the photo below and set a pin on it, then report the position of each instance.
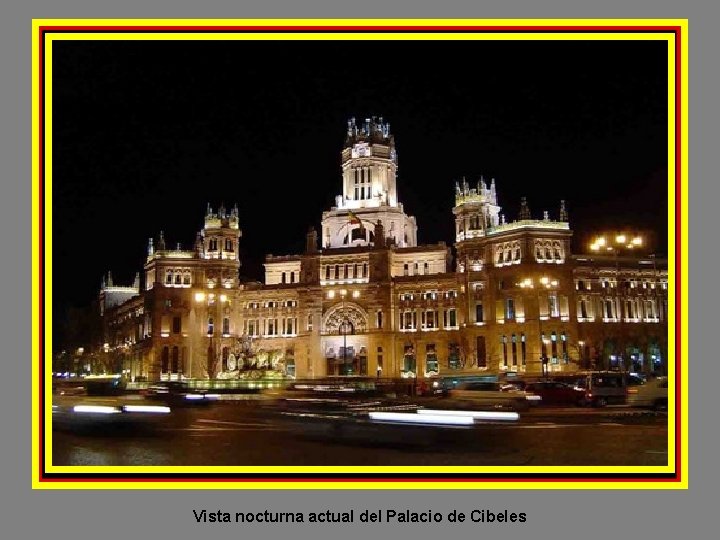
(344, 342)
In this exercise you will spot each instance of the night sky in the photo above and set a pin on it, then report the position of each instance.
(145, 134)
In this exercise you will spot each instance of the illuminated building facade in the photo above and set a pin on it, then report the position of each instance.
(365, 299)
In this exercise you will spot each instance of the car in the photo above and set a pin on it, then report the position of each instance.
(651, 394)
(556, 392)
(100, 402)
(600, 388)
(490, 395)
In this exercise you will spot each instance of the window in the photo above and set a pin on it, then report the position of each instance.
(450, 319)
(292, 277)
(253, 327)
(168, 278)
(364, 270)
(553, 306)
(503, 341)
(379, 319)
(176, 325)
(583, 309)
(309, 323)
(226, 326)
(429, 317)
(407, 320)
(481, 352)
(186, 279)
(514, 349)
(337, 271)
(608, 309)
(563, 339)
(431, 361)
(210, 327)
(479, 312)
(165, 360)
(327, 272)
(228, 245)
(212, 244)
(415, 268)
(175, 364)
(543, 348)
(509, 309)
(282, 280)
(409, 359)
(379, 360)
(522, 349)
(271, 327)
(405, 269)
(426, 268)
(453, 356)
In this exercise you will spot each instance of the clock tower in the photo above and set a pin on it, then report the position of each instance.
(369, 191)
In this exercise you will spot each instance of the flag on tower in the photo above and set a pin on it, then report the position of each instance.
(354, 220)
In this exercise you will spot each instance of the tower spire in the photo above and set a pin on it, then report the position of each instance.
(563, 211)
(524, 210)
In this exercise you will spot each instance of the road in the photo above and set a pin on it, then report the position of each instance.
(239, 433)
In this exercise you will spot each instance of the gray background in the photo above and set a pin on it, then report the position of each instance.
(166, 514)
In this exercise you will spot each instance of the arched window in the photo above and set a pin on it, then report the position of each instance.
(358, 234)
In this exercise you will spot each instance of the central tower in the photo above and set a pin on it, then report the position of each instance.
(369, 191)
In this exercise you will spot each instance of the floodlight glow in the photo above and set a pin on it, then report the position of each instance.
(413, 418)
(479, 415)
(95, 409)
(147, 408)
(199, 297)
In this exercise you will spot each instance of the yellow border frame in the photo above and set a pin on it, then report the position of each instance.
(580, 34)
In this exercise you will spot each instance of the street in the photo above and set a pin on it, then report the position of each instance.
(240, 433)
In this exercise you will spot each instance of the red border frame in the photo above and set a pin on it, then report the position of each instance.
(677, 30)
